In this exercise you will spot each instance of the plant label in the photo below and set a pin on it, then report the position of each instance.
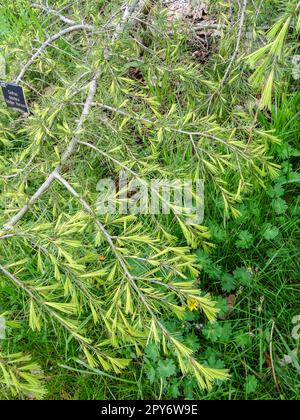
(14, 96)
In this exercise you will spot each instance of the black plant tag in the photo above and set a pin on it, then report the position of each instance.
(14, 96)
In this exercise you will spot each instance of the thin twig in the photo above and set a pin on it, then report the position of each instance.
(9, 235)
(65, 157)
(36, 298)
(242, 15)
(238, 42)
(21, 170)
(117, 162)
(129, 11)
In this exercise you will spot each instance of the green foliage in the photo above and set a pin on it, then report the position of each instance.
(103, 292)
(251, 384)
(20, 376)
(279, 47)
(245, 240)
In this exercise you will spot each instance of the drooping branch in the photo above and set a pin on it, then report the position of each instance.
(54, 12)
(181, 350)
(45, 44)
(136, 6)
(113, 247)
(176, 130)
(90, 211)
(65, 157)
(238, 42)
(129, 11)
(242, 15)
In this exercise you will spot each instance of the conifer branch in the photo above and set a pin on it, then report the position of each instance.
(45, 44)
(238, 42)
(54, 12)
(137, 5)
(205, 375)
(127, 274)
(101, 227)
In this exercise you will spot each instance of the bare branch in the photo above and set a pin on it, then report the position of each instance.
(9, 235)
(19, 283)
(129, 11)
